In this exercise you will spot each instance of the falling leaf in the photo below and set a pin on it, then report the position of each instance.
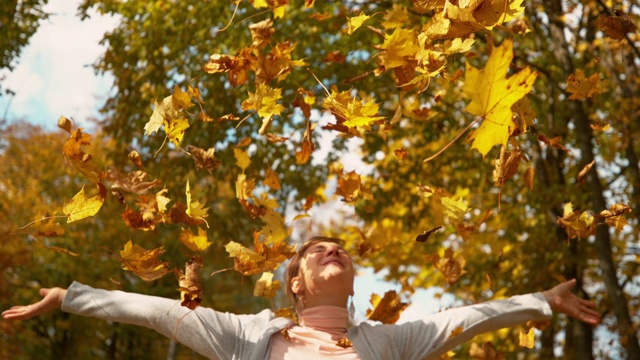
(266, 287)
(585, 170)
(582, 87)
(576, 223)
(555, 142)
(195, 242)
(204, 159)
(344, 343)
(401, 153)
(191, 284)
(133, 182)
(527, 338)
(506, 166)
(616, 26)
(219, 63)
(261, 33)
(46, 225)
(194, 208)
(399, 48)
(181, 99)
(614, 216)
(425, 235)
(455, 332)
(348, 186)
(353, 23)
(271, 180)
(64, 124)
(386, 309)
(246, 261)
(80, 207)
(144, 263)
(175, 129)
(528, 177)
(492, 94)
(134, 156)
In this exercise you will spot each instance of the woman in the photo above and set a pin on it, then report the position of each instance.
(320, 281)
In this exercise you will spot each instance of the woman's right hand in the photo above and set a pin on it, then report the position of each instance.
(52, 300)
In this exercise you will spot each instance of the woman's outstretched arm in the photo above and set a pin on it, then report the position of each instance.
(52, 300)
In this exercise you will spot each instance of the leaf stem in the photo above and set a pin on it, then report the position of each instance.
(452, 141)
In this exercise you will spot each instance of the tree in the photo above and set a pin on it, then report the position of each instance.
(241, 99)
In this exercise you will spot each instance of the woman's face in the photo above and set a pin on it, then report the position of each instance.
(326, 269)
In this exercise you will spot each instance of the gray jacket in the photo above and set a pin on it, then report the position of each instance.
(218, 335)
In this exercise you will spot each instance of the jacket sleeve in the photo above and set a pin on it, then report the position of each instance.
(213, 334)
(433, 335)
(430, 336)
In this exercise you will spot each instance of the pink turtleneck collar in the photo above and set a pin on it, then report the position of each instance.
(316, 337)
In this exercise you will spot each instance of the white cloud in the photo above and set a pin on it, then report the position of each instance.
(54, 75)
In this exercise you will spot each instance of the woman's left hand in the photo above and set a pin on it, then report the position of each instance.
(561, 299)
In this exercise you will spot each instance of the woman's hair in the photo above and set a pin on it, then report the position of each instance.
(293, 267)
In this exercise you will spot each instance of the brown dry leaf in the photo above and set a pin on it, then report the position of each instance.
(555, 142)
(308, 202)
(450, 265)
(220, 63)
(144, 263)
(585, 170)
(348, 186)
(401, 153)
(615, 216)
(276, 138)
(425, 235)
(135, 220)
(506, 166)
(528, 177)
(134, 156)
(455, 332)
(576, 223)
(617, 25)
(304, 100)
(190, 283)
(74, 155)
(386, 309)
(344, 343)
(582, 87)
(335, 57)
(261, 33)
(204, 159)
(133, 182)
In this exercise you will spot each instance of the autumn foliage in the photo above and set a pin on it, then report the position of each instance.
(483, 146)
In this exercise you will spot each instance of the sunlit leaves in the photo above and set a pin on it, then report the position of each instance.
(265, 102)
(492, 95)
(353, 23)
(195, 209)
(578, 224)
(386, 309)
(80, 207)
(146, 264)
(266, 286)
(195, 242)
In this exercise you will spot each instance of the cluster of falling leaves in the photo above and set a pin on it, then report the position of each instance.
(412, 58)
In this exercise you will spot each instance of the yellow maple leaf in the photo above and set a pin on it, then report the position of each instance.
(266, 286)
(386, 309)
(194, 242)
(79, 207)
(144, 263)
(398, 48)
(527, 338)
(242, 158)
(194, 208)
(265, 102)
(351, 112)
(175, 128)
(492, 94)
(181, 99)
(274, 231)
(397, 16)
(353, 23)
(246, 261)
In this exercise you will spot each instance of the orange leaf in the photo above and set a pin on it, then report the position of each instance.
(191, 284)
(386, 309)
(144, 263)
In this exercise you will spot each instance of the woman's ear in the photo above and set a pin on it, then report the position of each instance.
(296, 285)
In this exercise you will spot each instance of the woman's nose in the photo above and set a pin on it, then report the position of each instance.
(333, 250)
